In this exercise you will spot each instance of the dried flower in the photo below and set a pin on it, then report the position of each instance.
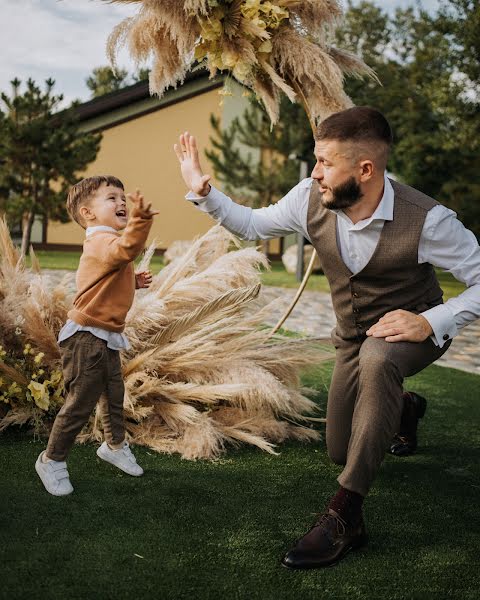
(250, 39)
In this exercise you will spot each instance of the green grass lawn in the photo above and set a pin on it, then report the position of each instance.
(69, 260)
(277, 276)
(216, 530)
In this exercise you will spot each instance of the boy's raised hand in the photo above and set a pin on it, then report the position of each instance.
(137, 201)
(187, 154)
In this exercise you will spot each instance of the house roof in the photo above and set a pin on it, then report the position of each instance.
(135, 100)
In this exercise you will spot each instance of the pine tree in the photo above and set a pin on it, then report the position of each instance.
(428, 67)
(103, 81)
(41, 152)
(256, 164)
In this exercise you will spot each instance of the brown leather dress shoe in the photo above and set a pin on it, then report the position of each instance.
(326, 543)
(405, 441)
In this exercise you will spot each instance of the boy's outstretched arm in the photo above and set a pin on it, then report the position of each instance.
(130, 244)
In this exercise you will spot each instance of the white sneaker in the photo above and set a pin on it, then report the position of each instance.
(122, 458)
(54, 476)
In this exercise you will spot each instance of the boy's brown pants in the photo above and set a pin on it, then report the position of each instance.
(365, 402)
(90, 370)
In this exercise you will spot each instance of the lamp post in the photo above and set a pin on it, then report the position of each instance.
(300, 237)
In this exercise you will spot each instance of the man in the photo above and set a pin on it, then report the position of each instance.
(378, 242)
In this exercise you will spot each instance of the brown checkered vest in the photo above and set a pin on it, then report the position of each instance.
(392, 278)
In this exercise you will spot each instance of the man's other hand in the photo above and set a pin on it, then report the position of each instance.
(401, 326)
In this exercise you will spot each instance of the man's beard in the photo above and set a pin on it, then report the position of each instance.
(344, 195)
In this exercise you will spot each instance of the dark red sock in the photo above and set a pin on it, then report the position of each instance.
(347, 504)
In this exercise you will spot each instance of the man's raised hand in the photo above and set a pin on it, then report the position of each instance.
(187, 154)
(137, 201)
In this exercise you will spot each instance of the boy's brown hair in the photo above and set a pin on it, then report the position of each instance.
(81, 193)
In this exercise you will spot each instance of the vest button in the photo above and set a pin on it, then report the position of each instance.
(446, 337)
(355, 295)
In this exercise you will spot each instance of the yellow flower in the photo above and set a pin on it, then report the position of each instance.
(56, 377)
(250, 8)
(211, 30)
(215, 61)
(280, 13)
(259, 23)
(14, 389)
(265, 46)
(229, 59)
(41, 372)
(201, 50)
(242, 70)
(39, 394)
(39, 357)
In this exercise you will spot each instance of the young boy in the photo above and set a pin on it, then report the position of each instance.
(92, 337)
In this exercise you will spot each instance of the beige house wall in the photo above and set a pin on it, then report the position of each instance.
(140, 152)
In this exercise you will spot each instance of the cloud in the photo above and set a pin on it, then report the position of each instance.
(63, 39)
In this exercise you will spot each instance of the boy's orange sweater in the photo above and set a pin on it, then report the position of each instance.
(106, 277)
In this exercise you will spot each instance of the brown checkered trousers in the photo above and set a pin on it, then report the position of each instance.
(365, 397)
(92, 373)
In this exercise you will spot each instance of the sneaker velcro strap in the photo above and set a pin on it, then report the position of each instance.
(58, 466)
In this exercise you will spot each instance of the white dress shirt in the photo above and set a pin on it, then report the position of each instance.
(444, 243)
(115, 341)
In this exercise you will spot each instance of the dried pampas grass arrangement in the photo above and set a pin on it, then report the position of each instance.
(270, 46)
(201, 373)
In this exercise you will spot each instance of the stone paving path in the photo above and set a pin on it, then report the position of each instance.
(313, 316)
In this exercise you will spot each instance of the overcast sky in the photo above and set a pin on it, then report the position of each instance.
(65, 39)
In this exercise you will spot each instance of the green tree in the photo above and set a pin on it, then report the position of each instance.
(459, 21)
(262, 179)
(429, 68)
(428, 94)
(41, 152)
(103, 81)
(141, 75)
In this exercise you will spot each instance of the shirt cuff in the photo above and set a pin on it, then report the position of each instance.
(443, 324)
(209, 203)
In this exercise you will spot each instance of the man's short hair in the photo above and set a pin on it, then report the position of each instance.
(360, 126)
(80, 193)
